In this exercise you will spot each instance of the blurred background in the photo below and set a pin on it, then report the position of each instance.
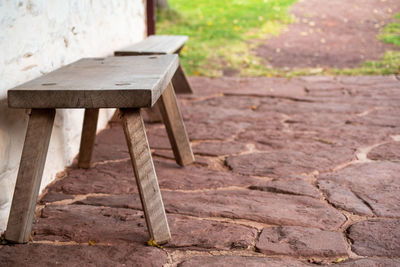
(285, 38)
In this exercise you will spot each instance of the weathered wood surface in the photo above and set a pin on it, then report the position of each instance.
(180, 82)
(113, 82)
(162, 44)
(30, 175)
(155, 44)
(88, 137)
(146, 177)
(175, 127)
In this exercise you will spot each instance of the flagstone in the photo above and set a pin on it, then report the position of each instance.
(376, 237)
(375, 184)
(301, 242)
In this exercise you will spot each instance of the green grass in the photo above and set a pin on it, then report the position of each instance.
(391, 33)
(390, 62)
(219, 32)
(224, 33)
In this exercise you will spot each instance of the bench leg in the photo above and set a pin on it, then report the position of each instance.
(181, 86)
(88, 137)
(145, 174)
(30, 175)
(173, 121)
(180, 82)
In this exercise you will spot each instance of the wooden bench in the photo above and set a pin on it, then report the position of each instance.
(162, 45)
(126, 83)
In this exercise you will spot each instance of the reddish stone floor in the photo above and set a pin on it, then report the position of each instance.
(288, 173)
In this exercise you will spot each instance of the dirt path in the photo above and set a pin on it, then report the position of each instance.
(331, 33)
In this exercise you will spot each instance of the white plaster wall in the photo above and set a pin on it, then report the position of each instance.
(38, 36)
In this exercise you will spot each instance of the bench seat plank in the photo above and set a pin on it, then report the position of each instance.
(113, 82)
(155, 44)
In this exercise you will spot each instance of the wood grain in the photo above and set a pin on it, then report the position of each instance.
(113, 82)
(30, 175)
(175, 127)
(146, 177)
(181, 83)
(88, 137)
(155, 45)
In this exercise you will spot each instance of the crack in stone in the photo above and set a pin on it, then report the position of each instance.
(326, 201)
(361, 157)
(255, 249)
(94, 164)
(248, 223)
(395, 138)
(366, 203)
(355, 194)
(273, 190)
(198, 99)
(192, 253)
(227, 188)
(294, 99)
(75, 199)
(176, 257)
(184, 255)
(365, 113)
(160, 156)
(350, 219)
(69, 243)
(350, 252)
(199, 141)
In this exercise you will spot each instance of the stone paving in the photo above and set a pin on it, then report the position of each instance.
(288, 173)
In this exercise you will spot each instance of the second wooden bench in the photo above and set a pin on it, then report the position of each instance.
(162, 45)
